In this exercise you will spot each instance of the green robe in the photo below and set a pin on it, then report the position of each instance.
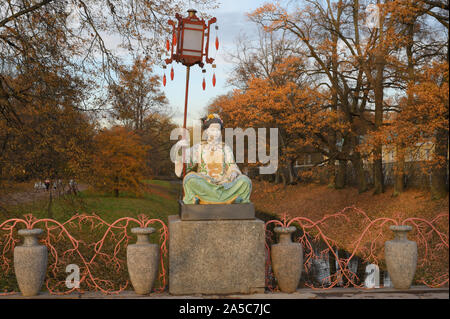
(208, 179)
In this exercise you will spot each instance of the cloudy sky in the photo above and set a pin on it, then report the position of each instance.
(232, 20)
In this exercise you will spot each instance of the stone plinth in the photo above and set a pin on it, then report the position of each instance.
(216, 211)
(216, 256)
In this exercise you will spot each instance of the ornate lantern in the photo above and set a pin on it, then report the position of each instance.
(188, 45)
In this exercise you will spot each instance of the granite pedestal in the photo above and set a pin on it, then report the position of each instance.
(216, 256)
(216, 211)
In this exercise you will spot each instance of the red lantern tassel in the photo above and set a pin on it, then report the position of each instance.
(214, 80)
(167, 45)
(217, 43)
(164, 80)
(204, 84)
(171, 74)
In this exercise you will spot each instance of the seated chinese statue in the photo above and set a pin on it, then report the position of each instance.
(212, 176)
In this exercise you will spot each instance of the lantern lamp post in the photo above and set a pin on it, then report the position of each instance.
(190, 46)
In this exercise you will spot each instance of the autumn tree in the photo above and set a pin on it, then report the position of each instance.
(156, 134)
(56, 62)
(424, 118)
(139, 104)
(258, 57)
(355, 74)
(48, 132)
(294, 111)
(53, 139)
(50, 47)
(80, 30)
(423, 42)
(267, 65)
(357, 63)
(47, 148)
(324, 30)
(432, 97)
(118, 163)
(137, 95)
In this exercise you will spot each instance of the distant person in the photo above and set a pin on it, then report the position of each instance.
(73, 186)
(57, 184)
(47, 184)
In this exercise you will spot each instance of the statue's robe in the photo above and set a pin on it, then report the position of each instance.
(208, 173)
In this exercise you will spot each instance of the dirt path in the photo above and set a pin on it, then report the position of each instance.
(17, 198)
(31, 196)
(165, 192)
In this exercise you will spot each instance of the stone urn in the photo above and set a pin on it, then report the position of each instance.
(401, 257)
(30, 262)
(287, 260)
(142, 261)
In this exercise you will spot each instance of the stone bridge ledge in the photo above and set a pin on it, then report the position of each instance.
(415, 292)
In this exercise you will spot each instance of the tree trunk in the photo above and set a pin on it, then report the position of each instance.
(334, 106)
(378, 173)
(378, 90)
(399, 171)
(379, 99)
(331, 173)
(341, 175)
(341, 172)
(292, 178)
(439, 171)
(277, 175)
(359, 172)
(283, 176)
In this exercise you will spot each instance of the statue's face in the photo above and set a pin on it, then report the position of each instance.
(214, 132)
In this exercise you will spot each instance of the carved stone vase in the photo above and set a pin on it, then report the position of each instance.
(287, 260)
(142, 261)
(30, 262)
(401, 257)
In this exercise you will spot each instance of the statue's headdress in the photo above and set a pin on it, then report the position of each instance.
(210, 119)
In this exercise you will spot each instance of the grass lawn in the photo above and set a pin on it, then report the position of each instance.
(106, 206)
(156, 182)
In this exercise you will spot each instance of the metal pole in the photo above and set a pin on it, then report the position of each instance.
(185, 111)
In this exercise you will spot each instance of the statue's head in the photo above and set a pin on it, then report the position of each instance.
(213, 125)
(211, 119)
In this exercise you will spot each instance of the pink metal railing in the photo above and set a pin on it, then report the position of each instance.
(104, 253)
(431, 237)
(56, 233)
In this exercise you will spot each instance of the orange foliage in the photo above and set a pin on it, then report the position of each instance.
(355, 77)
(119, 161)
(299, 112)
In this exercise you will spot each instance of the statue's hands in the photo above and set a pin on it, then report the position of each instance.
(234, 175)
(183, 143)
